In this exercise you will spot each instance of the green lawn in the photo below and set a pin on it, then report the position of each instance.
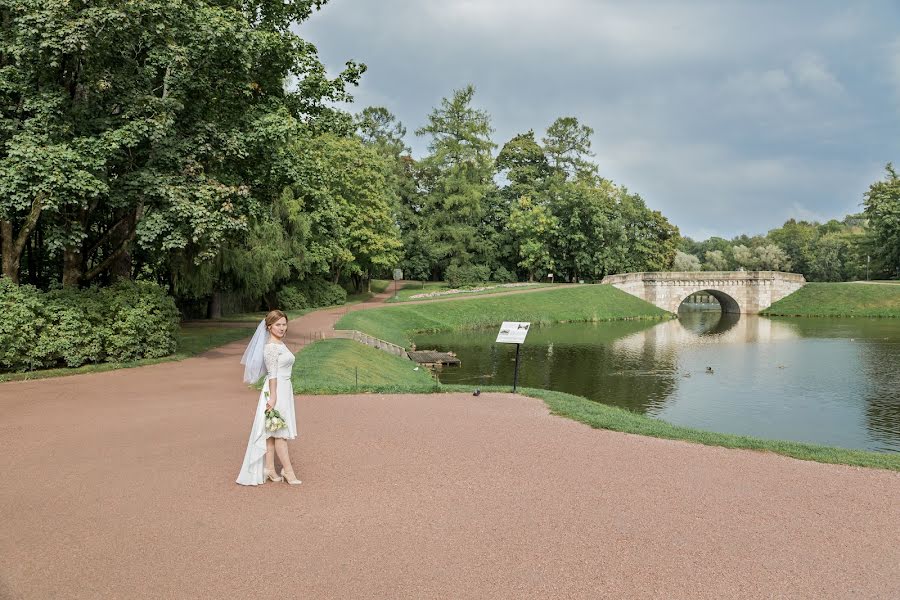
(583, 303)
(839, 300)
(190, 340)
(413, 289)
(335, 366)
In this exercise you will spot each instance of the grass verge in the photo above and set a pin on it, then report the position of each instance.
(190, 341)
(329, 367)
(405, 294)
(586, 303)
(335, 367)
(839, 300)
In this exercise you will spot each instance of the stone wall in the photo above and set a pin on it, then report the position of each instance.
(374, 342)
(747, 292)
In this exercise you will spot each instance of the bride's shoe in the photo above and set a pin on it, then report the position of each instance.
(271, 475)
(289, 480)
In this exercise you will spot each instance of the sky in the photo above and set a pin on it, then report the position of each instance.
(728, 117)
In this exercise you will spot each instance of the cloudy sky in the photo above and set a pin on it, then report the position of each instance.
(729, 117)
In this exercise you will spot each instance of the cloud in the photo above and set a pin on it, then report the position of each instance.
(730, 117)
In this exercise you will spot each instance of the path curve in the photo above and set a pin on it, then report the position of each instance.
(121, 485)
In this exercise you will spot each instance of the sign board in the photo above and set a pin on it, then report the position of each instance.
(398, 274)
(513, 332)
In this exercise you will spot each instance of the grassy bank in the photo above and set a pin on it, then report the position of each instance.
(585, 303)
(190, 341)
(329, 366)
(439, 287)
(345, 366)
(839, 300)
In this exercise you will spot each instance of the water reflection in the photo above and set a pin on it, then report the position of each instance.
(817, 380)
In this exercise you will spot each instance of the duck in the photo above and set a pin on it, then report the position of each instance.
(710, 370)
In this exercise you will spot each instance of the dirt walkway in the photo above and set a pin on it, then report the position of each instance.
(121, 485)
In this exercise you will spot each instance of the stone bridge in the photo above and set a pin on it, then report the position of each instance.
(747, 292)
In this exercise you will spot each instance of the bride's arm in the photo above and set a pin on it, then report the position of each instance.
(271, 358)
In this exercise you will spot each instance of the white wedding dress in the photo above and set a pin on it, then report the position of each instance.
(279, 364)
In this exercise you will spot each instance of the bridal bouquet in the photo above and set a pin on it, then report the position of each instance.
(274, 420)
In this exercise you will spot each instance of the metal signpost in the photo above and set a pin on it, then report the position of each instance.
(398, 275)
(513, 332)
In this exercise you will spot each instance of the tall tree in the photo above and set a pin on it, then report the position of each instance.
(567, 145)
(882, 207)
(166, 114)
(457, 180)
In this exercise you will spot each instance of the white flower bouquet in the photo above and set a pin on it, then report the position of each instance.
(274, 420)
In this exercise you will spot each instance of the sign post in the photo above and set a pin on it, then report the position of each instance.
(513, 332)
(398, 275)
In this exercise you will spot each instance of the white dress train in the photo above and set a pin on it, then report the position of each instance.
(279, 364)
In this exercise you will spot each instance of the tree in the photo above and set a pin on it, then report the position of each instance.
(457, 180)
(715, 261)
(882, 208)
(533, 228)
(343, 186)
(162, 115)
(685, 262)
(567, 146)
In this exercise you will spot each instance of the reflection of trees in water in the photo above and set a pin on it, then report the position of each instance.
(882, 394)
(579, 359)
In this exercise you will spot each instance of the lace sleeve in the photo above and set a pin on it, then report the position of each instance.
(270, 354)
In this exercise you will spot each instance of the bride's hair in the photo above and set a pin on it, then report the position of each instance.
(273, 317)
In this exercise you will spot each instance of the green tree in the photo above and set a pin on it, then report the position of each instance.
(457, 181)
(685, 262)
(153, 121)
(567, 146)
(882, 208)
(533, 228)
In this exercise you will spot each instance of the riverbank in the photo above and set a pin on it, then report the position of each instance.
(839, 300)
(583, 303)
(329, 367)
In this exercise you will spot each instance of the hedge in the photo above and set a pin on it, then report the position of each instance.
(70, 327)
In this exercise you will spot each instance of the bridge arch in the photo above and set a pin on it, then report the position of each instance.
(726, 302)
(746, 292)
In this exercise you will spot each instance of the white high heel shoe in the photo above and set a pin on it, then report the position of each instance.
(271, 476)
(290, 481)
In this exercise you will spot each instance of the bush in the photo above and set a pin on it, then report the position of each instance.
(319, 292)
(21, 319)
(466, 275)
(504, 275)
(72, 327)
(291, 298)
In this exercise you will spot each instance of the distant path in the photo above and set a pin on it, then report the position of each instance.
(121, 485)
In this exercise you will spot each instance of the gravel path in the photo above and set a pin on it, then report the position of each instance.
(121, 485)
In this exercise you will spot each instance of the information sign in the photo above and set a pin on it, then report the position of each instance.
(513, 332)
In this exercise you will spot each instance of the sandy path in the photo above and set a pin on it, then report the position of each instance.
(121, 485)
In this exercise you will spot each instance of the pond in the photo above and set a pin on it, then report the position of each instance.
(825, 381)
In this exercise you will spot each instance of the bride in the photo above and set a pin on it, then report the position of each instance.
(267, 355)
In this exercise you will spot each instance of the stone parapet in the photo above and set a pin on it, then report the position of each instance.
(747, 292)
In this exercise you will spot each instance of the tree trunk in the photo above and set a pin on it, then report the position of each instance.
(73, 267)
(214, 308)
(12, 245)
(10, 260)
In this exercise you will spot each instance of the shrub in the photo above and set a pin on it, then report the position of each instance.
(72, 327)
(291, 298)
(142, 321)
(466, 275)
(74, 332)
(504, 275)
(21, 319)
(319, 292)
